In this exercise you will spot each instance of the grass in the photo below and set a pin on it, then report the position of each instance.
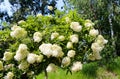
(90, 71)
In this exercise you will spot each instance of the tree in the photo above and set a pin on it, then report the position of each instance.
(22, 8)
(42, 43)
(106, 15)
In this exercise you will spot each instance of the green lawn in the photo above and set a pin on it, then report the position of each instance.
(89, 73)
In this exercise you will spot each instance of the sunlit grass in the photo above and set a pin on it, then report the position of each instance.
(93, 73)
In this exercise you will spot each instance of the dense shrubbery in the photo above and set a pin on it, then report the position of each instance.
(43, 43)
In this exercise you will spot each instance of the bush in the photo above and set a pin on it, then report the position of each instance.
(43, 43)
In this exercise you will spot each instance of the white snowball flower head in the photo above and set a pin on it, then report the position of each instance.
(54, 35)
(21, 21)
(74, 38)
(100, 40)
(1, 65)
(22, 47)
(9, 75)
(61, 38)
(96, 47)
(66, 61)
(88, 24)
(39, 58)
(18, 32)
(23, 65)
(93, 32)
(71, 53)
(50, 8)
(51, 67)
(76, 66)
(97, 55)
(37, 37)
(69, 45)
(7, 56)
(31, 58)
(57, 51)
(46, 49)
(75, 26)
(15, 27)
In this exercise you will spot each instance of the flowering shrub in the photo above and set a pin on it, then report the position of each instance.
(43, 43)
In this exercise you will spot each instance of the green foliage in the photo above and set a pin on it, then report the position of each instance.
(22, 36)
(90, 70)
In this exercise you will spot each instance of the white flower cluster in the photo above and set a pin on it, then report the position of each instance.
(97, 47)
(21, 53)
(23, 65)
(75, 26)
(18, 32)
(93, 32)
(51, 67)
(50, 8)
(37, 37)
(54, 35)
(76, 66)
(1, 65)
(61, 38)
(32, 58)
(74, 38)
(69, 45)
(21, 21)
(51, 50)
(7, 56)
(71, 53)
(66, 61)
(9, 75)
(88, 24)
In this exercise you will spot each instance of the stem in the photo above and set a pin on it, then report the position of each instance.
(46, 75)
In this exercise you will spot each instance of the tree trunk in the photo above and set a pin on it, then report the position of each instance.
(46, 74)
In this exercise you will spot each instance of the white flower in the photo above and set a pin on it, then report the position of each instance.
(75, 26)
(31, 58)
(50, 8)
(88, 24)
(20, 56)
(67, 19)
(15, 27)
(100, 40)
(1, 65)
(22, 47)
(37, 37)
(61, 38)
(51, 68)
(39, 58)
(93, 32)
(18, 33)
(96, 47)
(57, 51)
(66, 61)
(76, 66)
(46, 49)
(21, 21)
(39, 15)
(7, 56)
(97, 55)
(69, 45)
(9, 75)
(74, 38)
(23, 65)
(54, 35)
(71, 53)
